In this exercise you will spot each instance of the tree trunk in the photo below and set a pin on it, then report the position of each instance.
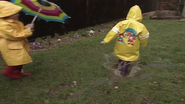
(183, 11)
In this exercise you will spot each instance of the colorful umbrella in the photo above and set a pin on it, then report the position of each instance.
(43, 9)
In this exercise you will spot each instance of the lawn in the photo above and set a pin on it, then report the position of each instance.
(73, 73)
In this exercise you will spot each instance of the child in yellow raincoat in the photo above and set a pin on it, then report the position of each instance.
(130, 34)
(14, 45)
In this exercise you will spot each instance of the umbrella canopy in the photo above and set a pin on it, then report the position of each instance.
(43, 9)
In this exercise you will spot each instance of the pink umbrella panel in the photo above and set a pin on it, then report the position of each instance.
(43, 9)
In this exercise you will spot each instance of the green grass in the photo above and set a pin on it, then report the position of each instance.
(82, 61)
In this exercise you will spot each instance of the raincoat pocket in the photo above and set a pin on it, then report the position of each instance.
(15, 46)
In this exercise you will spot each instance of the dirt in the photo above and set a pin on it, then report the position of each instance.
(47, 44)
(164, 15)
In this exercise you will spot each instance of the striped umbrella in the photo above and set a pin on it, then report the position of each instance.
(43, 9)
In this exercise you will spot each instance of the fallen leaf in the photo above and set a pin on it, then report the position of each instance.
(70, 94)
(160, 58)
(150, 83)
(46, 101)
(116, 87)
(179, 75)
(104, 92)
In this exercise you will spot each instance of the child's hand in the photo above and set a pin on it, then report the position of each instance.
(103, 42)
(31, 27)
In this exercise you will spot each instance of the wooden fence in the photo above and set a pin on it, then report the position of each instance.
(86, 13)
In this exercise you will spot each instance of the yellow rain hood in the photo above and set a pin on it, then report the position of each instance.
(8, 9)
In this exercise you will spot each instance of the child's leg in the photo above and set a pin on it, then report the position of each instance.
(12, 72)
(125, 65)
(23, 73)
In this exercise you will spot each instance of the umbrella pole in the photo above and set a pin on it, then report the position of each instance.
(36, 16)
(32, 22)
(34, 19)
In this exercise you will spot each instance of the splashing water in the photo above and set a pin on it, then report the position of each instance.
(113, 65)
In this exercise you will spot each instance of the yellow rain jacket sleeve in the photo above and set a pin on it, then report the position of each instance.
(14, 30)
(14, 45)
(130, 34)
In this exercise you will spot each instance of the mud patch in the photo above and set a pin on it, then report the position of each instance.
(57, 90)
(179, 35)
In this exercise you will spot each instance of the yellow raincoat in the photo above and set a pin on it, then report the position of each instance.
(130, 34)
(14, 45)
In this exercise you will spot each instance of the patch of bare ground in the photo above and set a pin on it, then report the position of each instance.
(164, 15)
(61, 40)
